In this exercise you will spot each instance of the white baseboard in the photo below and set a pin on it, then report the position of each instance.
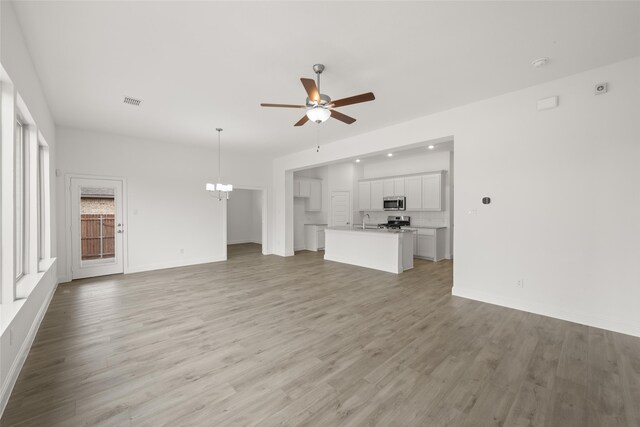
(16, 367)
(64, 279)
(239, 242)
(173, 264)
(588, 319)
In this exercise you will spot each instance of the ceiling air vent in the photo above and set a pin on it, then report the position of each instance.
(132, 101)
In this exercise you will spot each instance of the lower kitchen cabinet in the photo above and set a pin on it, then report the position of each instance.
(430, 243)
(314, 236)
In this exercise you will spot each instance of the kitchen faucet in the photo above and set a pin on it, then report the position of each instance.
(367, 215)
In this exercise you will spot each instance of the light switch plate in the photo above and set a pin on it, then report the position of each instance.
(547, 103)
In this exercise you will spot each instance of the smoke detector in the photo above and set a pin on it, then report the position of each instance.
(540, 62)
(132, 101)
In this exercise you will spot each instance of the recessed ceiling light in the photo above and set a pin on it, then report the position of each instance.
(431, 147)
(357, 160)
(540, 62)
(389, 154)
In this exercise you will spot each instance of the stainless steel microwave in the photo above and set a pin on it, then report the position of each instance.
(396, 203)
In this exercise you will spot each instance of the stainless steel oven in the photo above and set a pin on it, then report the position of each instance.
(396, 203)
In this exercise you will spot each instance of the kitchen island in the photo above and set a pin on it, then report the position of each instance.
(380, 249)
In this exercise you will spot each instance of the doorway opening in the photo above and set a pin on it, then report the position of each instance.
(353, 192)
(245, 223)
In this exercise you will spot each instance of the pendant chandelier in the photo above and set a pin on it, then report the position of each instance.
(222, 189)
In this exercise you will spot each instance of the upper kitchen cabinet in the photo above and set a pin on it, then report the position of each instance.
(387, 188)
(377, 189)
(413, 193)
(433, 191)
(364, 196)
(305, 188)
(393, 187)
(301, 187)
(399, 187)
(423, 192)
(311, 190)
(314, 203)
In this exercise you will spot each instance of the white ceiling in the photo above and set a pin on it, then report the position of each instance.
(202, 65)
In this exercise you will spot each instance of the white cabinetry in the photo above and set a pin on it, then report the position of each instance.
(426, 246)
(393, 187)
(387, 188)
(399, 187)
(413, 187)
(314, 203)
(432, 192)
(314, 236)
(364, 195)
(423, 192)
(311, 190)
(304, 188)
(430, 243)
(376, 195)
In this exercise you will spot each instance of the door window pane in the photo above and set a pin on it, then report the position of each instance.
(97, 223)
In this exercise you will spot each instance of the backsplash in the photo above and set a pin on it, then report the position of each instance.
(418, 218)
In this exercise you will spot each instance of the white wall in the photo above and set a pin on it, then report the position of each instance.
(416, 163)
(256, 216)
(244, 217)
(20, 319)
(564, 185)
(168, 209)
(239, 217)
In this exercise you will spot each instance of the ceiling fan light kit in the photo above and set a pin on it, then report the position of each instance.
(318, 114)
(319, 107)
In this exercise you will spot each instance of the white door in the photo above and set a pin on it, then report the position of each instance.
(340, 215)
(97, 227)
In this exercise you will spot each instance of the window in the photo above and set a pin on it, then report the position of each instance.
(20, 199)
(42, 182)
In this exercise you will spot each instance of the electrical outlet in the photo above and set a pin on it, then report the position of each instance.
(520, 283)
(181, 251)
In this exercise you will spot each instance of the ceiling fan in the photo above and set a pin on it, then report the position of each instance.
(319, 106)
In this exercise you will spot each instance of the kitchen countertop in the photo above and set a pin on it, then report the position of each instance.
(317, 225)
(428, 226)
(370, 230)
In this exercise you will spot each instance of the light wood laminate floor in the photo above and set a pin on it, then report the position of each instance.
(265, 340)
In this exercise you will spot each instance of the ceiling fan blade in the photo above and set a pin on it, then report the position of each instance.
(354, 99)
(283, 105)
(342, 117)
(302, 121)
(311, 88)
